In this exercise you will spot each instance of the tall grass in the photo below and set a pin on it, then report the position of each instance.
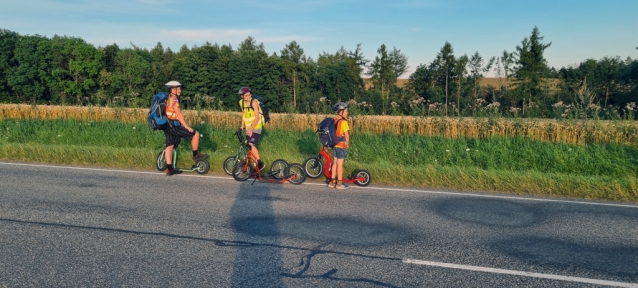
(580, 132)
(495, 163)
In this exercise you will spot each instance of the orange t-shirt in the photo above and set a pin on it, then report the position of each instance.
(171, 104)
(342, 128)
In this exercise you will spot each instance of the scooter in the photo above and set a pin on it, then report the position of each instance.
(314, 168)
(201, 166)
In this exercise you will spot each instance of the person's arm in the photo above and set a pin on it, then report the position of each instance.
(243, 123)
(249, 130)
(181, 120)
(257, 114)
(347, 139)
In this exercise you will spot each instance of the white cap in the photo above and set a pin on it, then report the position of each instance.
(172, 84)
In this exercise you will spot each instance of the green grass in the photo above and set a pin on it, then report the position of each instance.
(513, 165)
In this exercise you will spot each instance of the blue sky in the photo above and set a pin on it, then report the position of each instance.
(577, 29)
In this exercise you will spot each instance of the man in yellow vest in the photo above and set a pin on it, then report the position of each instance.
(252, 121)
(178, 129)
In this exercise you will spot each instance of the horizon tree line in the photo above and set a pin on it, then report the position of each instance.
(69, 71)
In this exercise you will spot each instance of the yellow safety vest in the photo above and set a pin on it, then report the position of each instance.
(249, 114)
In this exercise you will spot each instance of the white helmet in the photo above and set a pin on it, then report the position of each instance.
(172, 84)
(339, 106)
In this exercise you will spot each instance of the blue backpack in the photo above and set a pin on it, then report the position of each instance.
(262, 105)
(157, 112)
(328, 132)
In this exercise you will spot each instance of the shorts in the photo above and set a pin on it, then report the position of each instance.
(174, 135)
(255, 138)
(340, 153)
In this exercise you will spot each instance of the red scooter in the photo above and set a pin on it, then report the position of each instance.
(313, 167)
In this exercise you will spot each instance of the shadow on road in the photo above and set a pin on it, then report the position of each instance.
(259, 266)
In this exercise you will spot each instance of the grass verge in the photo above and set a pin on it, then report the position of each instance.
(511, 165)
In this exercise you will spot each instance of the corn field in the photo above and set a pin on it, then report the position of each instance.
(573, 131)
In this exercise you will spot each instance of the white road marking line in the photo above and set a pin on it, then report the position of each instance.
(521, 273)
(357, 187)
(110, 170)
(503, 197)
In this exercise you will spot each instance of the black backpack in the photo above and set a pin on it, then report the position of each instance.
(262, 105)
(328, 132)
(157, 119)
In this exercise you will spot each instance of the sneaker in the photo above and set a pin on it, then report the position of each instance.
(199, 157)
(173, 172)
(342, 186)
(332, 185)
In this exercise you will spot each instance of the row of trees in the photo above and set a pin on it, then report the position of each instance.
(599, 88)
(68, 71)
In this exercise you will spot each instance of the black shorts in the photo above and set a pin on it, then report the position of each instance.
(174, 135)
(254, 139)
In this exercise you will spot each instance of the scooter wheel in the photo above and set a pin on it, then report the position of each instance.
(295, 174)
(278, 169)
(202, 167)
(362, 177)
(160, 162)
(313, 167)
(240, 174)
(229, 164)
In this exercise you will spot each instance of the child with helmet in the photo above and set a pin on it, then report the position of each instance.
(178, 129)
(340, 150)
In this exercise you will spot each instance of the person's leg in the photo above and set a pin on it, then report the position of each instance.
(333, 173)
(182, 133)
(339, 171)
(253, 140)
(253, 149)
(195, 141)
(168, 155)
(341, 157)
(195, 145)
(172, 142)
(170, 145)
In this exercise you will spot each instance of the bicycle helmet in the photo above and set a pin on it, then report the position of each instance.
(244, 90)
(339, 106)
(173, 84)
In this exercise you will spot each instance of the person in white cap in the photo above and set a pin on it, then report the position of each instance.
(178, 129)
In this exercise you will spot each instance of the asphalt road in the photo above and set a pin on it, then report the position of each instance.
(79, 227)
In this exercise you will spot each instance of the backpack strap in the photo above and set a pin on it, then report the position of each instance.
(251, 104)
(343, 137)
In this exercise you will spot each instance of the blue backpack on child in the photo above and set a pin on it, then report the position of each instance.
(328, 132)
(157, 119)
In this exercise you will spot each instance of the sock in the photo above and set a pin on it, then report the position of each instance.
(333, 181)
(170, 167)
(339, 182)
(195, 153)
